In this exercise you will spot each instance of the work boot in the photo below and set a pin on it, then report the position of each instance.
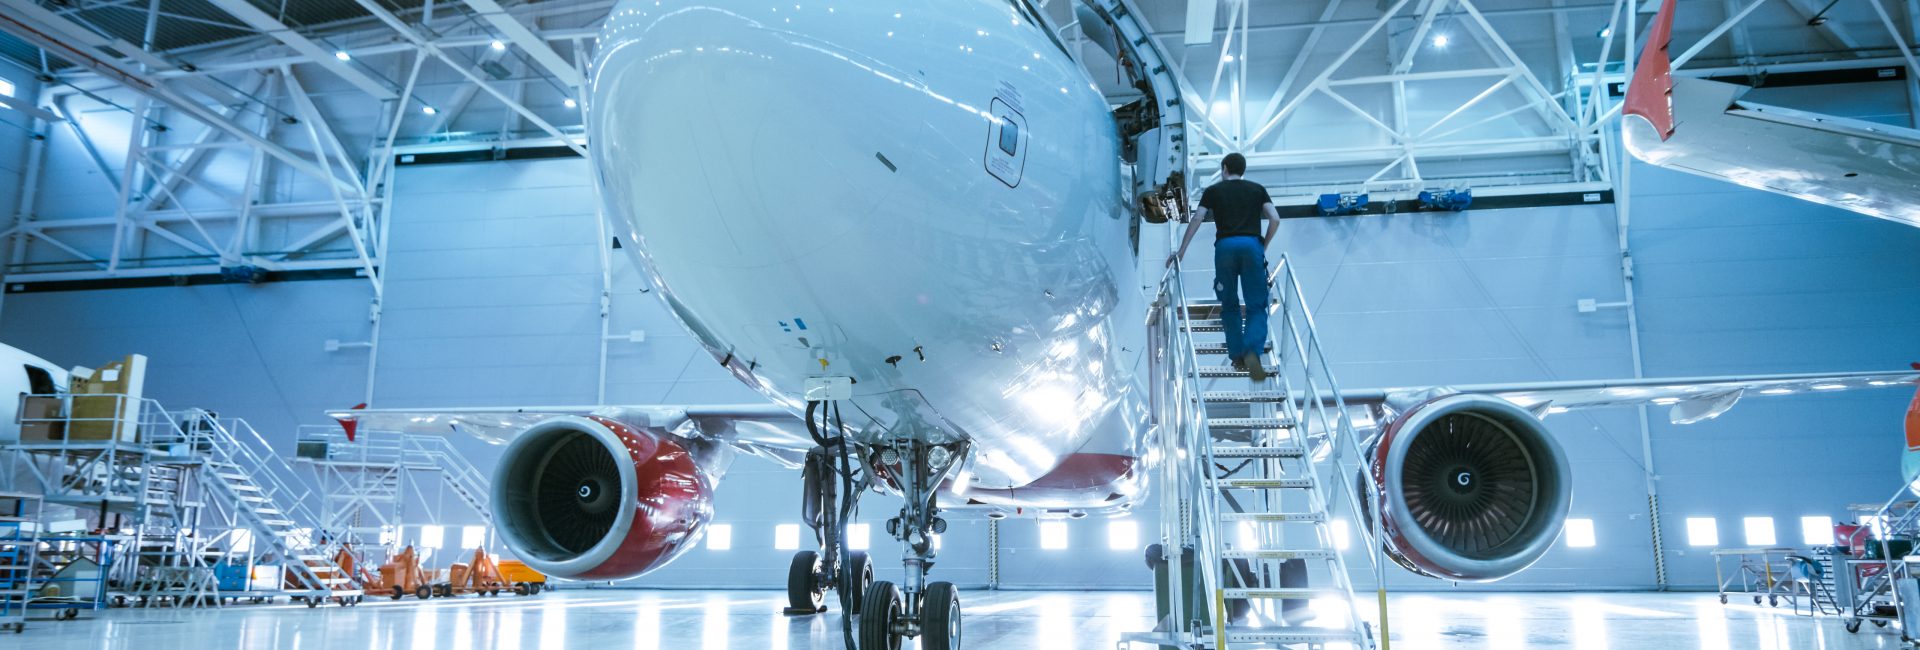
(1255, 369)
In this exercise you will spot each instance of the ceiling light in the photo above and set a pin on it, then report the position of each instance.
(1604, 32)
(1828, 387)
(570, 103)
(1226, 58)
(1440, 41)
(342, 55)
(428, 110)
(499, 46)
(1776, 391)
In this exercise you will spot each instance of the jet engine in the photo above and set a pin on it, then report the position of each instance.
(1472, 488)
(595, 498)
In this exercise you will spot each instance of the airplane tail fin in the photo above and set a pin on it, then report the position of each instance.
(350, 425)
(1913, 420)
(1650, 95)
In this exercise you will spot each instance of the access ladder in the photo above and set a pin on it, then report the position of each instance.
(1255, 473)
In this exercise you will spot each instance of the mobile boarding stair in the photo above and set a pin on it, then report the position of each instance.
(366, 483)
(183, 493)
(260, 494)
(1253, 476)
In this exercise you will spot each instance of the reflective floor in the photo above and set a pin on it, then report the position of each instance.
(675, 620)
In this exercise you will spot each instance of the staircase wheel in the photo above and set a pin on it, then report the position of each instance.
(423, 593)
(398, 592)
(312, 603)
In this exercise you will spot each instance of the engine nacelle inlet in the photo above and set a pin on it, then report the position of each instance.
(1472, 488)
(594, 498)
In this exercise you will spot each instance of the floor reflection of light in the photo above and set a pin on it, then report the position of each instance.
(463, 629)
(1503, 629)
(1589, 627)
(1769, 637)
(426, 626)
(506, 636)
(1416, 620)
(553, 625)
(779, 631)
(646, 626)
(1056, 623)
(713, 629)
(1713, 626)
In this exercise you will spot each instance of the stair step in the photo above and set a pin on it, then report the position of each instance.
(277, 522)
(1282, 593)
(1290, 635)
(1242, 396)
(1274, 517)
(1205, 325)
(311, 558)
(1223, 371)
(1287, 451)
(1219, 348)
(1264, 483)
(1296, 554)
(1250, 423)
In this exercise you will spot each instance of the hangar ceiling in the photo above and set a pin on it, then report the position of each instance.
(282, 117)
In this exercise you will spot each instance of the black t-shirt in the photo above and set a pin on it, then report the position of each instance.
(1236, 207)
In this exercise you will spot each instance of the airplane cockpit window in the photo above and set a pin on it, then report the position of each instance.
(1010, 137)
(40, 382)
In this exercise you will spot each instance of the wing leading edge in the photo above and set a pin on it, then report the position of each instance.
(1692, 399)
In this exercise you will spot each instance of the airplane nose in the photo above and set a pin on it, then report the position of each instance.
(749, 129)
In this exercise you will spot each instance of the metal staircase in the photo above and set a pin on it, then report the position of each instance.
(1255, 474)
(259, 492)
(371, 486)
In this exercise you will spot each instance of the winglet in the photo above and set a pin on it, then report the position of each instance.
(349, 424)
(1913, 419)
(1650, 96)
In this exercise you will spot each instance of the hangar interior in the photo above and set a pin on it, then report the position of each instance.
(288, 208)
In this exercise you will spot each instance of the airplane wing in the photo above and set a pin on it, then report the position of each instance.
(1706, 128)
(1692, 399)
(763, 430)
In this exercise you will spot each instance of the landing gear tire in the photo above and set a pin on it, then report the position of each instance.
(940, 618)
(804, 593)
(862, 573)
(879, 608)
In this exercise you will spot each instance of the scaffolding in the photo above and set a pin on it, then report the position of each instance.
(180, 494)
(381, 481)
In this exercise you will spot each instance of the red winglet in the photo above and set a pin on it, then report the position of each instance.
(1650, 96)
(1913, 420)
(350, 424)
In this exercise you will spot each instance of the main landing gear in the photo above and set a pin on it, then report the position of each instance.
(812, 573)
(929, 611)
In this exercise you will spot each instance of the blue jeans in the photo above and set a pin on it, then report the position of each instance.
(1242, 261)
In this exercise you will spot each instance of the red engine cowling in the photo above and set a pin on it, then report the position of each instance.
(594, 498)
(1472, 488)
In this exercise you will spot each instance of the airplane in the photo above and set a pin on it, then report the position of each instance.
(23, 374)
(1707, 128)
(913, 227)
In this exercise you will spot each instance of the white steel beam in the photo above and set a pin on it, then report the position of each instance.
(160, 90)
(1201, 15)
(385, 16)
(320, 56)
(541, 52)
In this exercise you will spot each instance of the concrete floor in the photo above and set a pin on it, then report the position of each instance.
(676, 620)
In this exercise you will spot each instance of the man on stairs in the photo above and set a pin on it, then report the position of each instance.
(1238, 206)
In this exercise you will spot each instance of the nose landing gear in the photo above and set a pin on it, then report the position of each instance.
(813, 573)
(916, 608)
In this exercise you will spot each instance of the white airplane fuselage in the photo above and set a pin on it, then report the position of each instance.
(923, 196)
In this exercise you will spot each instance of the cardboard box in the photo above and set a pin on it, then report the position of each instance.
(106, 402)
(42, 421)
